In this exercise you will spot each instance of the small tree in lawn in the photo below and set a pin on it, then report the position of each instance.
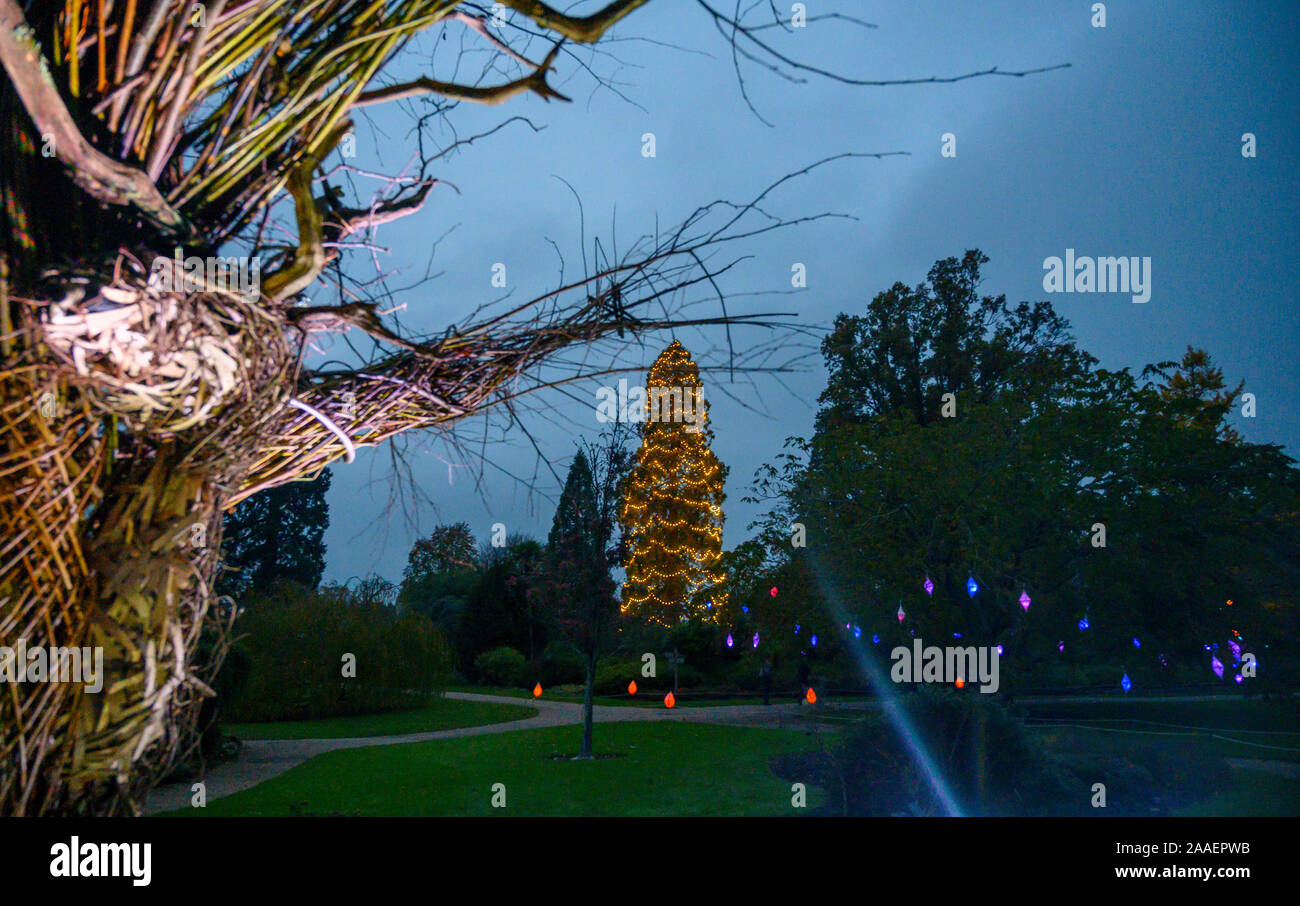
(576, 584)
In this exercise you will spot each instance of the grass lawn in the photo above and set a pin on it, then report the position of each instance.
(1234, 728)
(1254, 794)
(663, 768)
(441, 714)
(1184, 765)
(1229, 713)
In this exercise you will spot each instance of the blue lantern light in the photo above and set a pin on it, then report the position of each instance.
(972, 586)
(1126, 683)
(1136, 643)
(1083, 624)
(744, 608)
(876, 638)
(814, 640)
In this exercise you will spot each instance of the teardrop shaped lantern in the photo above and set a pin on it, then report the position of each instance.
(960, 683)
(537, 691)
(814, 640)
(669, 700)
(810, 696)
(756, 640)
(730, 641)
(928, 586)
(1025, 600)
(901, 615)
(1217, 666)
(1126, 683)
(631, 688)
(972, 586)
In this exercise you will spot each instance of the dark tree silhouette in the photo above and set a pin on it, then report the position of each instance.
(277, 534)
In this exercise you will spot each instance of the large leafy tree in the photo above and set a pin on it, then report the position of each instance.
(442, 571)
(1013, 479)
(277, 534)
(498, 610)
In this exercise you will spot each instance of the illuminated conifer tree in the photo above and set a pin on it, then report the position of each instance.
(672, 508)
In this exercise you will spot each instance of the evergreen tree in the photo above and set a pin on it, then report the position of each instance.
(672, 506)
(277, 534)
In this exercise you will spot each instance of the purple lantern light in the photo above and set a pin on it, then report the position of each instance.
(1060, 646)
(730, 641)
(756, 640)
(901, 615)
(928, 586)
(1024, 600)
(1217, 666)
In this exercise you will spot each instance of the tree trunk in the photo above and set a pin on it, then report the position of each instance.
(587, 705)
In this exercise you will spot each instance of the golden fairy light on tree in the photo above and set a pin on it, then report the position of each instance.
(672, 507)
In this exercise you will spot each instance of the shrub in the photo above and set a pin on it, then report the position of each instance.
(882, 773)
(296, 639)
(559, 663)
(614, 673)
(503, 666)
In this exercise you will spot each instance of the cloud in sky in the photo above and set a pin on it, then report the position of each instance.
(1133, 150)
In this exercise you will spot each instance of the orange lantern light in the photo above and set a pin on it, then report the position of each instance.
(669, 700)
(537, 691)
(810, 696)
(631, 688)
(960, 682)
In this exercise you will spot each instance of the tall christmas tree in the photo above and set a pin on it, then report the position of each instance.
(672, 508)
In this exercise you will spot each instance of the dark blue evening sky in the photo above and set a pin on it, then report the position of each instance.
(1134, 150)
